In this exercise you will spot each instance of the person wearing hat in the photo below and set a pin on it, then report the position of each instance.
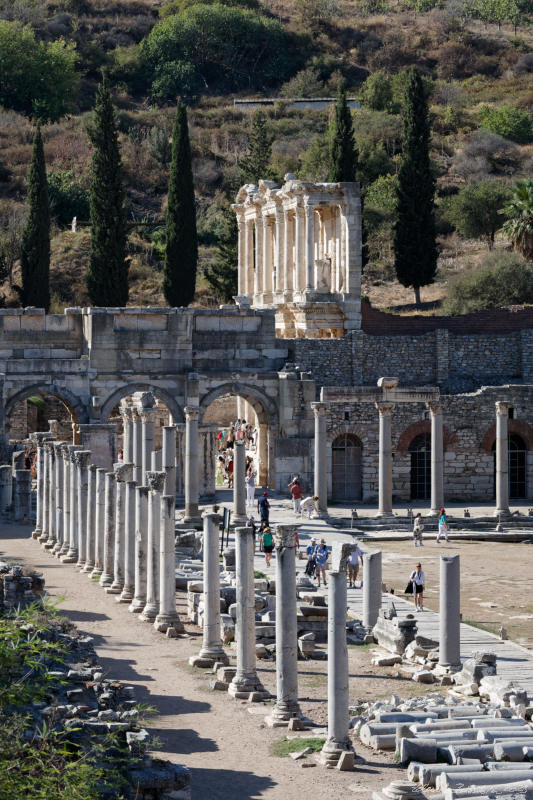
(443, 526)
(321, 559)
(263, 507)
(418, 580)
(354, 558)
(310, 553)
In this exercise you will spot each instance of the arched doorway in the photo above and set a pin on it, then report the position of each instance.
(517, 466)
(31, 409)
(346, 452)
(420, 477)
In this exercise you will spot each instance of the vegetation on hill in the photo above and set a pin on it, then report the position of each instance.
(475, 58)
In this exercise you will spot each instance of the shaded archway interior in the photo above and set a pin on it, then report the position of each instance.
(34, 409)
(420, 471)
(346, 465)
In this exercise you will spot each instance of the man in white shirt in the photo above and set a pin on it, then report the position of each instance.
(354, 558)
(418, 580)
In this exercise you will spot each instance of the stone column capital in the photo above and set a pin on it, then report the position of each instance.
(385, 409)
(212, 516)
(48, 446)
(142, 490)
(93, 468)
(192, 413)
(285, 536)
(123, 472)
(319, 409)
(58, 449)
(81, 458)
(65, 450)
(435, 406)
(146, 414)
(155, 480)
(502, 408)
(72, 453)
(126, 412)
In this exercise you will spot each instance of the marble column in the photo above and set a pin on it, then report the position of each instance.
(91, 520)
(123, 473)
(99, 524)
(258, 273)
(127, 434)
(129, 544)
(450, 611)
(338, 740)
(169, 459)
(299, 249)
(286, 706)
(72, 554)
(309, 247)
(82, 458)
(58, 447)
(156, 481)
(321, 459)
(371, 588)
(140, 554)
(192, 512)
(239, 485)
(241, 255)
(167, 616)
(212, 650)
(106, 578)
(40, 487)
(287, 244)
(147, 419)
(262, 448)
(6, 494)
(246, 679)
(52, 538)
(278, 251)
(248, 257)
(502, 460)
(22, 495)
(385, 458)
(46, 495)
(66, 502)
(137, 446)
(437, 457)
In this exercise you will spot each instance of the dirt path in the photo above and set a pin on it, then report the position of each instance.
(227, 748)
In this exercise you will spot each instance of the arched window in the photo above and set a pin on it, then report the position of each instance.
(517, 466)
(346, 453)
(420, 450)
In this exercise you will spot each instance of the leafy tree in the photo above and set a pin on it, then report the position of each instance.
(512, 123)
(415, 249)
(220, 48)
(35, 244)
(376, 92)
(383, 193)
(68, 198)
(519, 224)
(315, 161)
(179, 6)
(254, 166)
(496, 11)
(36, 78)
(502, 280)
(476, 211)
(181, 254)
(107, 277)
(222, 275)
(342, 154)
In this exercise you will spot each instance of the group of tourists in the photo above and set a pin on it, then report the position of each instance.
(418, 528)
(238, 431)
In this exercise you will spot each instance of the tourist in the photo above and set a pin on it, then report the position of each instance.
(268, 544)
(417, 530)
(355, 557)
(309, 506)
(231, 437)
(250, 485)
(443, 526)
(418, 582)
(263, 507)
(321, 560)
(229, 471)
(310, 553)
(297, 494)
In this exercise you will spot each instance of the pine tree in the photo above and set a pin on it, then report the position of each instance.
(35, 242)
(107, 277)
(222, 275)
(254, 166)
(181, 255)
(342, 152)
(415, 248)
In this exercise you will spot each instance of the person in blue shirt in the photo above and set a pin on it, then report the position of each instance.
(321, 558)
(263, 507)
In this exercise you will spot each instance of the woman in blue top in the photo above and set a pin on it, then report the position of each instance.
(443, 526)
(321, 558)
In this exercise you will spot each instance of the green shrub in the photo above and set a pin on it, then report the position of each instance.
(36, 78)
(512, 123)
(476, 211)
(179, 6)
(376, 92)
(383, 193)
(68, 198)
(503, 279)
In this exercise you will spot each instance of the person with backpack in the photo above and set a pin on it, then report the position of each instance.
(310, 553)
(268, 544)
(321, 559)
(418, 583)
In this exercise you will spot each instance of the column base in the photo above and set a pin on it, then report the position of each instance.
(80, 565)
(164, 621)
(242, 686)
(43, 537)
(127, 594)
(332, 751)
(96, 573)
(63, 551)
(137, 605)
(281, 715)
(70, 558)
(105, 580)
(503, 513)
(57, 548)
(88, 568)
(115, 588)
(385, 515)
(36, 533)
(448, 669)
(213, 655)
(50, 544)
(149, 613)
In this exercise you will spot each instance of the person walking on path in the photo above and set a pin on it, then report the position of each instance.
(321, 558)
(268, 545)
(354, 558)
(418, 580)
(417, 530)
(250, 486)
(443, 526)
(263, 508)
(297, 494)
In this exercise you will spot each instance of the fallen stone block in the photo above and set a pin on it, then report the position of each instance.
(482, 752)
(301, 753)
(511, 750)
(424, 676)
(423, 750)
(346, 762)
(430, 773)
(386, 660)
(491, 789)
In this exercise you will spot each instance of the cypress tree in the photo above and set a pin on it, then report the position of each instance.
(35, 242)
(254, 166)
(181, 255)
(415, 249)
(342, 151)
(222, 275)
(107, 277)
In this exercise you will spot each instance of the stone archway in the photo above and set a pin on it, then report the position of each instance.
(74, 405)
(124, 391)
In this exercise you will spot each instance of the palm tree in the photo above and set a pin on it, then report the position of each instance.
(519, 224)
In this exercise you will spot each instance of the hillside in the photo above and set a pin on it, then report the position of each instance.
(298, 48)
